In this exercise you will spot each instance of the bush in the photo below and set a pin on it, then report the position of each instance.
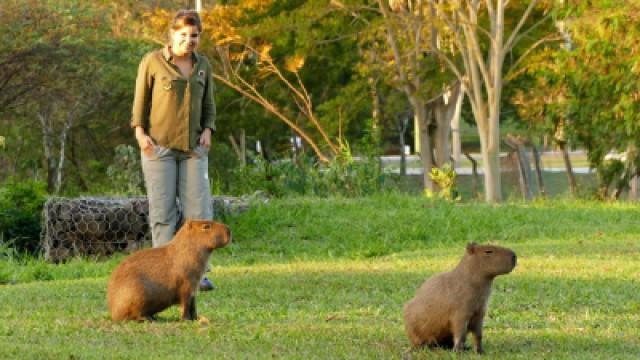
(125, 173)
(306, 177)
(20, 215)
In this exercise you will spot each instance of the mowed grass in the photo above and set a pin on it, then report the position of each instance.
(326, 279)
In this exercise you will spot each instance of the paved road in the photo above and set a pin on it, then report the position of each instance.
(393, 161)
(467, 171)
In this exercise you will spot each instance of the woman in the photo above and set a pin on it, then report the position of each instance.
(173, 117)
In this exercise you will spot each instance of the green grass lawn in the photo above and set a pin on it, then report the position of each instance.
(326, 279)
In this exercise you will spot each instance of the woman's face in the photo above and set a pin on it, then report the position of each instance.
(184, 40)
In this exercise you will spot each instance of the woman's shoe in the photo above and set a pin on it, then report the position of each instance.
(206, 285)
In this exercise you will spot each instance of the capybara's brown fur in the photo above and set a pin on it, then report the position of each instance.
(451, 304)
(151, 280)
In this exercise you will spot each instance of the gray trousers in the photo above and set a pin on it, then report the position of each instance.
(171, 176)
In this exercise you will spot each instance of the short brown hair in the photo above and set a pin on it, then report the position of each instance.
(186, 18)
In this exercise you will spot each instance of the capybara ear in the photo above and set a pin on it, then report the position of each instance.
(471, 247)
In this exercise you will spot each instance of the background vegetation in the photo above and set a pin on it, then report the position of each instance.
(69, 68)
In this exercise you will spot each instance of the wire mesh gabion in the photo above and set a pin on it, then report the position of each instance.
(104, 226)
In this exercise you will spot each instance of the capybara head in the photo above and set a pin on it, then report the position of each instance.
(491, 260)
(211, 234)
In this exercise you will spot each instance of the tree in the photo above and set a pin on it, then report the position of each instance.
(468, 38)
(80, 82)
(477, 33)
(584, 93)
(394, 46)
(602, 101)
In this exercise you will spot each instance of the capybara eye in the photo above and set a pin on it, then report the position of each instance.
(488, 252)
(206, 227)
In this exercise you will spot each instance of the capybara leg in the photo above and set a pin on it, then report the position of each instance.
(189, 309)
(459, 330)
(477, 337)
(476, 331)
(411, 333)
(416, 341)
(475, 326)
(192, 308)
(144, 318)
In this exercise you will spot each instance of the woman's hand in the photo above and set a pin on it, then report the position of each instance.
(144, 141)
(205, 138)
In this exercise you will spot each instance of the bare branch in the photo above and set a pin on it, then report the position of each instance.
(524, 34)
(525, 16)
(514, 73)
(274, 110)
(394, 45)
(476, 53)
(452, 66)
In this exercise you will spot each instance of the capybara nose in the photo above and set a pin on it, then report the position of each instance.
(514, 259)
(228, 235)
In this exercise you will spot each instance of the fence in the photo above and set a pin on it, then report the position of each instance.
(103, 226)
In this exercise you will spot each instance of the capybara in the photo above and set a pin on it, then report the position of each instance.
(150, 280)
(449, 305)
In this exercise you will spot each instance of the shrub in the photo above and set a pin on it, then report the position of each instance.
(445, 179)
(304, 176)
(20, 215)
(125, 173)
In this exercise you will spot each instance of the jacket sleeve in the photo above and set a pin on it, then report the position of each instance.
(142, 95)
(208, 102)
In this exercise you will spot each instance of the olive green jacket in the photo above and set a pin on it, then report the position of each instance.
(173, 109)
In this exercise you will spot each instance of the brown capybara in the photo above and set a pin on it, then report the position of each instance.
(151, 280)
(451, 304)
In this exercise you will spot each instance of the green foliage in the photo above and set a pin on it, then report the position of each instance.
(20, 215)
(94, 90)
(589, 88)
(125, 174)
(305, 177)
(445, 180)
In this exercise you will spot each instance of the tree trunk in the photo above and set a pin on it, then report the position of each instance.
(401, 122)
(489, 148)
(403, 158)
(63, 143)
(524, 169)
(571, 178)
(376, 112)
(536, 157)
(474, 175)
(633, 188)
(426, 153)
(444, 110)
(456, 143)
(74, 161)
(240, 150)
(47, 144)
